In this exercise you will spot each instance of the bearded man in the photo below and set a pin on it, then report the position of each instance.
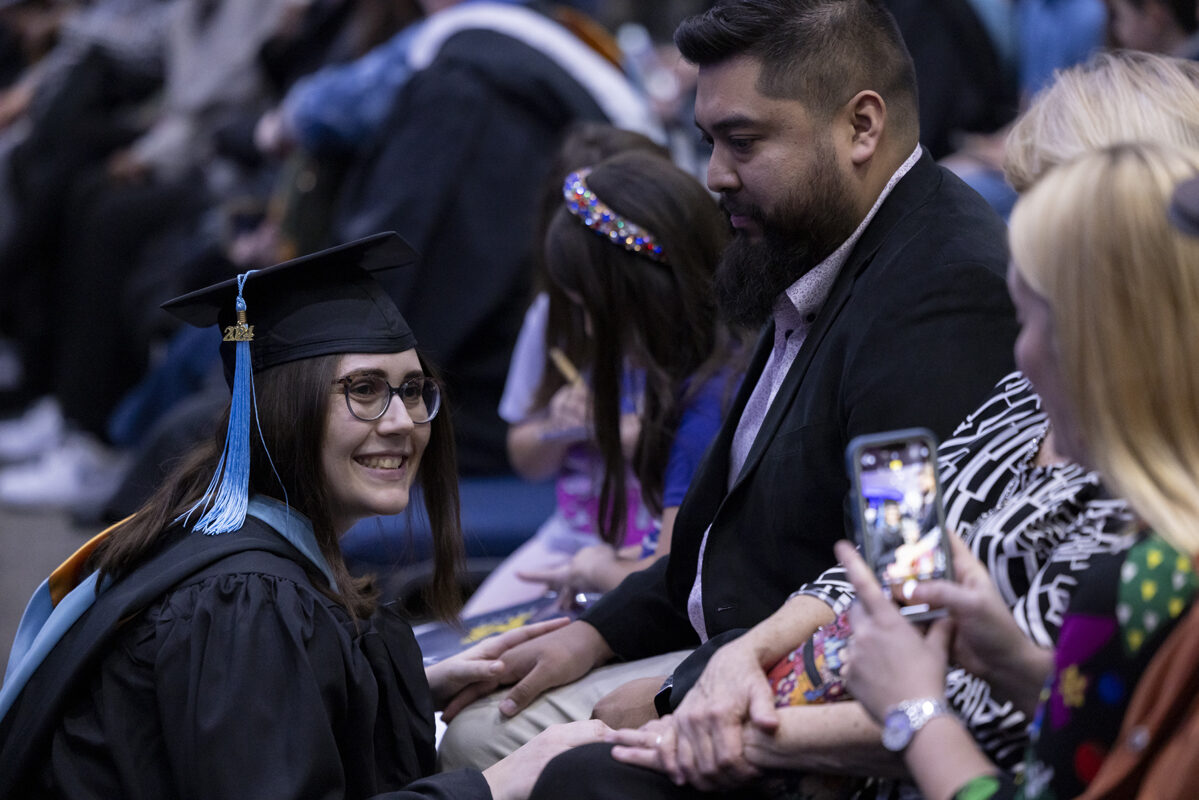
(878, 279)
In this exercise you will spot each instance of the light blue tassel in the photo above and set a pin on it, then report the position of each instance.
(228, 495)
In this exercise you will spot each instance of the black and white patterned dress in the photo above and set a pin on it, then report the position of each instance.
(1035, 527)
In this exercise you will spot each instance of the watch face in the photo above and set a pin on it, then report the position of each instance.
(897, 730)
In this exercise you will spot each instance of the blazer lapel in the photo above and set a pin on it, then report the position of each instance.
(712, 479)
(790, 387)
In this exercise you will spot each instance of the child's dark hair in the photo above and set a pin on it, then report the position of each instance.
(646, 315)
(585, 143)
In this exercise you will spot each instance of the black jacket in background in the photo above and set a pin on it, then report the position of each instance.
(457, 172)
(964, 87)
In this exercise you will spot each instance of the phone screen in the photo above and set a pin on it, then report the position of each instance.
(899, 517)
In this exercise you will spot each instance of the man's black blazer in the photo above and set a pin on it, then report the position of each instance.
(915, 332)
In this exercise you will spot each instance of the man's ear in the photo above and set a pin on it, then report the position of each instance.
(867, 114)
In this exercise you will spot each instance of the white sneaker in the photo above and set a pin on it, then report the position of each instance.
(38, 430)
(79, 475)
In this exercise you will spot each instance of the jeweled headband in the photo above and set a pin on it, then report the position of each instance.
(597, 215)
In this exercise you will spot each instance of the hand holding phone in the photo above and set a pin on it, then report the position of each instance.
(898, 515)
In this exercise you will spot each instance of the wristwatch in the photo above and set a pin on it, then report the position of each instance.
(903, 720)
(662, 698)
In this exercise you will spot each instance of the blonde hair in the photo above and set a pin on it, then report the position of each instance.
(1118, 96)
(1093, 238)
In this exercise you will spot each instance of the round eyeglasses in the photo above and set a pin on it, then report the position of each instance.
(368, 397)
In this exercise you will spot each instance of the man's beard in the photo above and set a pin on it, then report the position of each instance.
(805, 228)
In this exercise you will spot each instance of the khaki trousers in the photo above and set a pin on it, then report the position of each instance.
(480, 736)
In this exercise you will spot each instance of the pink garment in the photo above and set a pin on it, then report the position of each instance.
(573, 526)
(578, 493)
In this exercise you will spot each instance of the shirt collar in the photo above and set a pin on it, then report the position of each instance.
(801, 301)
(292, 526)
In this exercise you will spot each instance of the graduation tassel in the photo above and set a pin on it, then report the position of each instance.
(228, 495)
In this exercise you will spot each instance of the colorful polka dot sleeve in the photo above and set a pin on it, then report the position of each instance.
(1116, 620)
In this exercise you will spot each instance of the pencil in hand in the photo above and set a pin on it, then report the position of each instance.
(564, 366)
(572, 376)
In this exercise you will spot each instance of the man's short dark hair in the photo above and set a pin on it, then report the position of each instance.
(819, 52)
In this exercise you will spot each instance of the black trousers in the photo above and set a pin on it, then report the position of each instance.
(101, 344)
(590, 773)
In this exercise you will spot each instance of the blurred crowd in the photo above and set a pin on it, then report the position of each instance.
(150, 146)
(672, 258)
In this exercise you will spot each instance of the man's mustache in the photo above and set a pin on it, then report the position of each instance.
(734, 209)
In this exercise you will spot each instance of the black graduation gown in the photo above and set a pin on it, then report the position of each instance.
(244, 681)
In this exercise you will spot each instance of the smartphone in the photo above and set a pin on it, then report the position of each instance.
(898, 515)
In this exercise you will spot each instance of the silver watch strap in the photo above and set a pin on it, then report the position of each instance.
(920, 710)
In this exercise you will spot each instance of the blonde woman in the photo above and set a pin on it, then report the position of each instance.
(1105, 288)
(1117, 96)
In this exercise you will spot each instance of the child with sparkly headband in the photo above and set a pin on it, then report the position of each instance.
(632, 247)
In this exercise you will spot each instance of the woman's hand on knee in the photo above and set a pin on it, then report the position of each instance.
(477, 668)
(512, 778)
(552, 660)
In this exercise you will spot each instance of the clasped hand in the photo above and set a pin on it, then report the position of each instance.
(552, 654)
(478, 666)
(569, 411)
(703, 742)
(582, 572)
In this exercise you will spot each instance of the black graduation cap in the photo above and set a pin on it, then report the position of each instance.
(325, 302)
(319, 304)
(1184, 206)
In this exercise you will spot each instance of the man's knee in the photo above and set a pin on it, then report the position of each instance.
(570, 774)
(477, 737)
(480, 736)
(590, 773)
